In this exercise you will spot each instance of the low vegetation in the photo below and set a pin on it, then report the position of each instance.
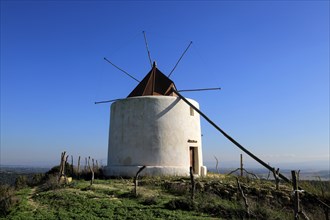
(216, 196)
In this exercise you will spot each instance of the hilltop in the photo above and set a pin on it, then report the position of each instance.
(217, 196)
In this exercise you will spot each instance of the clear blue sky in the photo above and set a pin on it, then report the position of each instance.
(271, 59)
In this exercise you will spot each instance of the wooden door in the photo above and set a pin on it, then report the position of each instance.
(192, 158)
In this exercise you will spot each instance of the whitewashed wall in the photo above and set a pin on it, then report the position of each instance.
(153, 131)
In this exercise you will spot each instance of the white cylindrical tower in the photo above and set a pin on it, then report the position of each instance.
(160, 132)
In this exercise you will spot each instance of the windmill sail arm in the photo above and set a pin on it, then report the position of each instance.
(101, 102)
(197, 90)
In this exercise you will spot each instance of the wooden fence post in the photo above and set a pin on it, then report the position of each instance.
(217, 163)
(71, 165)
(239, 187)
(60, 172)
(85, 165)
(66, 159)
(78, 169)
(296, 194)
(276, 177)
(325, 209)
(297, 209)
(62, 166)
(193, 185)
(241, 165)
(136, 179)
(92, 171)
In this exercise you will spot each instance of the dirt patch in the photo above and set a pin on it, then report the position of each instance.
(30, 200)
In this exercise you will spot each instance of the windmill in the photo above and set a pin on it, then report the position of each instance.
(153, 127)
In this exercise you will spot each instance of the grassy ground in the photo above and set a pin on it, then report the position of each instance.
(216, 197)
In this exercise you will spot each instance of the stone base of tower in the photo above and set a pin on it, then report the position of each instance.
(130, 171)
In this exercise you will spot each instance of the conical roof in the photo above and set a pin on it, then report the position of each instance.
(155, 83)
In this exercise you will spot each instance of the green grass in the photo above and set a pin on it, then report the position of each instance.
(103, 200)
(159, 198)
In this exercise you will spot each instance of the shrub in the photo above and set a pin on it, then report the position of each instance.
(21, 182)
(37, 179)
(150, 201)
(51, 183)
(177, 188)
(181, 203)
(7, 199)
(56, 170)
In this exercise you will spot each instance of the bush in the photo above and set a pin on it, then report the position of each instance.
(7, 199)
(37, 179)
(51, 183)
(56, 170)
(177, 188)
(21, 182)
(150, 201)
(182, 204)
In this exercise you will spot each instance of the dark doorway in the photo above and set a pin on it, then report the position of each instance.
(193, 158)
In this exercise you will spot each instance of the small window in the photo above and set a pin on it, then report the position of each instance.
(191, 111)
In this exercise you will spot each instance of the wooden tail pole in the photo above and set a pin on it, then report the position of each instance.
(238, 145)
(230, 138)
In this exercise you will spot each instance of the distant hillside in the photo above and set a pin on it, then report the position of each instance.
(8, 174)
(264, 173)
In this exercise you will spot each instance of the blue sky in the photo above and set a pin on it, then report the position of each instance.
(271, 59)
